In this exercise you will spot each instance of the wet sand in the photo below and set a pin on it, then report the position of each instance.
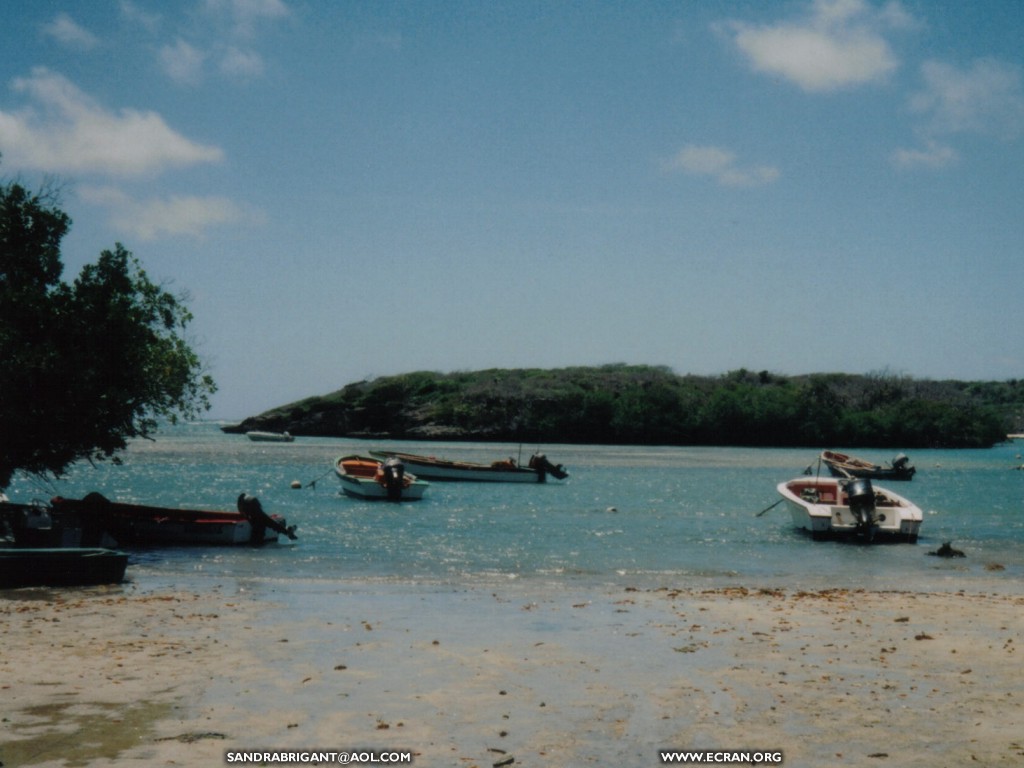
(117, 676)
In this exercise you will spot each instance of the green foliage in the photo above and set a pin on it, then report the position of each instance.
(622, 404)
(89, 365)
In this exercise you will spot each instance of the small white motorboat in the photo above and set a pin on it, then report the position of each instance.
(366, 478)
(269, 437)
(829, 506)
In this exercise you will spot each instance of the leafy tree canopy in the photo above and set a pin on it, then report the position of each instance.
(86, 366)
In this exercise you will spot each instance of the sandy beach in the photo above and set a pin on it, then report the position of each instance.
(118, 676)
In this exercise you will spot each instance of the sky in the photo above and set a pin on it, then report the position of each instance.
(345, 190)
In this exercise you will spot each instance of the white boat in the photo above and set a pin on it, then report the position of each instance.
(269, 437)
(829, 506)
(366, 478)
(504, 471)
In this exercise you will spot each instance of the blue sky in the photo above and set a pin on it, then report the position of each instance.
(355, 189)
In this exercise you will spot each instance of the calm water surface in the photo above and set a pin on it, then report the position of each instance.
(640, 516)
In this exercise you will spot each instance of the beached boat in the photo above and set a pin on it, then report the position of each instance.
(97, 519)
(269, 437)
(504, 471)
(829, 506)
(367, 478)
(60, 566)
(843, 465)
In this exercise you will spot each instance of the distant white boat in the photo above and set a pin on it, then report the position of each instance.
(270, 437)
(829, 506)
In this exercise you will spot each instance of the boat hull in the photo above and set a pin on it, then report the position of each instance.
(199, 532)
(60, 567)
(367, 488)
(270, 437)
(820, 506)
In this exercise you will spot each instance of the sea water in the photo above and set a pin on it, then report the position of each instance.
(644, 517)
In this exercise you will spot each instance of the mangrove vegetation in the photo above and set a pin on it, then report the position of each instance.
(652, 405)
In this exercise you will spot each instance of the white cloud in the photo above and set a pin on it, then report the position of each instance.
(839, 44)
(65, 131)
(68, 32)
(182, 62)
(132, 13)
(934, 155)
(895, 16)
(238, 63)
(226, 35)
(985, 98)
(720, 164)
(173, 215)
(246, 14)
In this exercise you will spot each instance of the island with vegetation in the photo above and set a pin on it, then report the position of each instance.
(652, 405)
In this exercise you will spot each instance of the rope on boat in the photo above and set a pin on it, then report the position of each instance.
(771, 507)
(312, 483)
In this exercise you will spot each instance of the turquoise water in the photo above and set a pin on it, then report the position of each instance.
(647, 517)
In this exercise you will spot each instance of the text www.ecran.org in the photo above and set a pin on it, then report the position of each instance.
(723, 756)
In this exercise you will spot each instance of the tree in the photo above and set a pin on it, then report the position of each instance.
(87, 366)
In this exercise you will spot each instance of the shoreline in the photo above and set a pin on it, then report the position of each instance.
(577, 676)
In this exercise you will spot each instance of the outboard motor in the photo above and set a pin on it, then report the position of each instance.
(544, 468)
(394, 478)
(861, 498)
(900, 465)
(259, 521)
(250, 506)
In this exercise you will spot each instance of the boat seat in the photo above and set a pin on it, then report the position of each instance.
(818, 493)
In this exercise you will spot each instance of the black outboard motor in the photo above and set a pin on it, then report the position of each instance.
(394, 478)
(259, 521)
(861, 498)
(250, 506)
(544, 468)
